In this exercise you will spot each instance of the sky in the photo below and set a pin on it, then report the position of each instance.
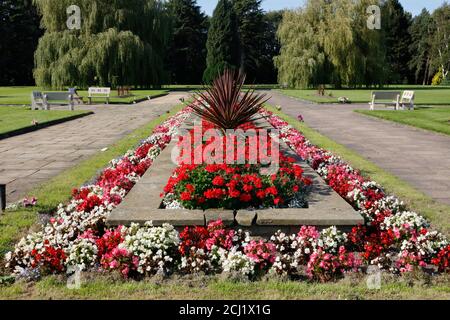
(413, 6)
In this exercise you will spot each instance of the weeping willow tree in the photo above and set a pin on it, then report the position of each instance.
(121, 42)
(329, 42)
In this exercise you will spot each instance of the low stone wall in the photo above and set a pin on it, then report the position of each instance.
(325, 207)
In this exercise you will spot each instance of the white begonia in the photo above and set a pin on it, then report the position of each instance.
(83, 254)
(331, 240)
(407, 219)
(236, 261)
(155, 246)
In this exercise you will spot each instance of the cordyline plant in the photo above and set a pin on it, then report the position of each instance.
(225, 105)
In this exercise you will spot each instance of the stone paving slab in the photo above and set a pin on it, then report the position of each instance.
(30, 159)
(416, 156)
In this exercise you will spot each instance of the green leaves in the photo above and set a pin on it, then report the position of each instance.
(224, 104)
(120, 43)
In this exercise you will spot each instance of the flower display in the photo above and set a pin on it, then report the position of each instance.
(395, 239)
(233, 186)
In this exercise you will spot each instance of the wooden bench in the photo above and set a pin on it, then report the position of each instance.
(43, 101)
(407, 100)
(37, 101)
(387, 98)
(99, 92)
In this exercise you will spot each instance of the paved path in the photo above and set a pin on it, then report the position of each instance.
(30, 159)
(419, 157)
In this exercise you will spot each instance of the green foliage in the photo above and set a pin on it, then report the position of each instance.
(187, 52)
(438, 78)
(329, 42)
(441, 40)
(19, 29)
(251, 27)
(397, 38)
(120, 43)
(421, 30)
(223, 42)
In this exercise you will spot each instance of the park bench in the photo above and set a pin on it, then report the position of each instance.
(44, 101)
(387, 98)
(37, 101)
(407, 100)
(393, 98)
(99, 92)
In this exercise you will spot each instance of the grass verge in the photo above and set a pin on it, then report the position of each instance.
(354, 287)
(19, 120)
(21, 95)
(425, 95)
(14, 225)
(432, 119)
(438, 214)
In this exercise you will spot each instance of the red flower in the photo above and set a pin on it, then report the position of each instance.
(218, 181)
(186, 196)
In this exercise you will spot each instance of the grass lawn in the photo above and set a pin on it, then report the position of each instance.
(13, 225)
(21, 95)
(433, 119)
(425, 95)
(17, 118)
(99, 287)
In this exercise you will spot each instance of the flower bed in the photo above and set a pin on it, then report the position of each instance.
(233, 186)
(77, 238)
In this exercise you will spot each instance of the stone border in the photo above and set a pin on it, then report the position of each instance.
(325, 207)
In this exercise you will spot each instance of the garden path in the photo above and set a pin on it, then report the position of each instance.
(30, 159)
(416, 156)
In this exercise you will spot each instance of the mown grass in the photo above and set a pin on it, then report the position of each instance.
(21, 95)
(354, 287)
(425, 95)
(13, 225)
(15, 118)
(432, 119)
(438, 214)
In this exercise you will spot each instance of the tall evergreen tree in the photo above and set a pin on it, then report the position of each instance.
(395, 24)
(266, 71)
(187, 50)
(252, 28)
(120, 43)
(223, 41)
(421, 30)
(20, 32)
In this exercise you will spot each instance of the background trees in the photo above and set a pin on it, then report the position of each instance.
(440, 41)
(150, 42)
(19, 34)
(187, 50)
(223, 44)
(329, 42)
(120, 43)
(421, 30)
(397, 39)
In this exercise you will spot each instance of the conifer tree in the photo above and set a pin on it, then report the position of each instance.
(421, 31)
(187, 51)
(395, 24)
(223, 41)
